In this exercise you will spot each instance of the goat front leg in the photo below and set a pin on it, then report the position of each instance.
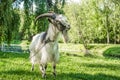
(43, 70)
(32, 67)
(54, 69)
(32, 58)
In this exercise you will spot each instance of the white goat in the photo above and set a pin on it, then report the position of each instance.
(44, 46)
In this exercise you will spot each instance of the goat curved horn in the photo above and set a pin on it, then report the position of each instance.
(50, 15)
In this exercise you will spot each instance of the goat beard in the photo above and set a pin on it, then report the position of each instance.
(65, 36)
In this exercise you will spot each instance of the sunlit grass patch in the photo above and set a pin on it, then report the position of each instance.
(97, 50)
(14, 66)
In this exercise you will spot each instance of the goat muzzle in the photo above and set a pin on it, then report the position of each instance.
(65, 36)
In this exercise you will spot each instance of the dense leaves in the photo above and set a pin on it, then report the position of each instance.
(9, 20)
(92, 21)
(17, 18)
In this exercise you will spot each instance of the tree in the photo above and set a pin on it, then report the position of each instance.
(9, 21)
(98, 20)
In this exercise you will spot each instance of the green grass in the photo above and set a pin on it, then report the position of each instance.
(14, 66)
(112, 51)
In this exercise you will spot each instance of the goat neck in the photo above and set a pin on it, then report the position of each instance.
(52, 32)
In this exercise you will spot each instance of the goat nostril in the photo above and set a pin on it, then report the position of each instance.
(68, 27)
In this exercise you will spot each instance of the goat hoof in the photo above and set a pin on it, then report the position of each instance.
(43, 75)
(54, 74)
(32, 69)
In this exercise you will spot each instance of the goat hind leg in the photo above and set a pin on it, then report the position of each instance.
(54, 69)
(43, 69)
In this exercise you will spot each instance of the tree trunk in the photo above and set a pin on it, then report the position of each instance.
(107, 29)
(114, 30)
(87, 52)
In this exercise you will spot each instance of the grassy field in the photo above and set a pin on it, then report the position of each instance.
(16, 66)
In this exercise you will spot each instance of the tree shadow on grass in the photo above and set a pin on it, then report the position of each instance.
(107, 66)
(61, 76)
(19, 75)
(84, 76)
(18, 72)
(13, 55)
(72, 54)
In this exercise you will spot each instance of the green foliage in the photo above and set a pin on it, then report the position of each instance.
(94, 21)
(14, 66)
(9, 19)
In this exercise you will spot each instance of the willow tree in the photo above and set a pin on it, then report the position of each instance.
(9, 20)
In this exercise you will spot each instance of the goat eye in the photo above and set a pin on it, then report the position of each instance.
(57, 22)
(62, 25)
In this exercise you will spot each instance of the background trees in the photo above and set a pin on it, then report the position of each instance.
(9, 20)
(17, 17)
(92, 21)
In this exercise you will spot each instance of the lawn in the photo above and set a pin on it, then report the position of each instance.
(16, 66)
